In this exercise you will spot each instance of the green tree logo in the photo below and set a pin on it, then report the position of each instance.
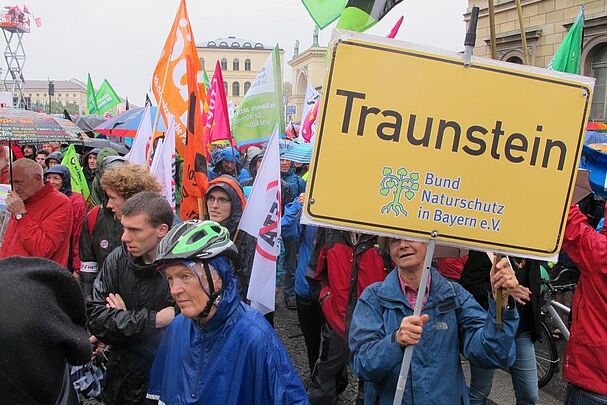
(401, 184)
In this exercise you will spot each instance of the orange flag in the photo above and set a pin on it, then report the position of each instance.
(195, 180)
(169, 82)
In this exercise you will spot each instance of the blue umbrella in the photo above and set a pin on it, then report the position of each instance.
(127, 122)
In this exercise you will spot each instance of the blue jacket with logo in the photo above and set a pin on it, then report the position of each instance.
(234, 358)
(457, 324)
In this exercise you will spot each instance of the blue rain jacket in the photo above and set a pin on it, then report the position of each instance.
(457, 324)
(231, 155)
(296, 183)
(292, 228)
(235, 358)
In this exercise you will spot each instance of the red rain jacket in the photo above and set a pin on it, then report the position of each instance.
(586, 352)
(344, 271)
(44, 231)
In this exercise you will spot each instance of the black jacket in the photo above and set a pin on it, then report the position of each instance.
(95, 247)
(42, 325)
(132, 333)
(476, 279)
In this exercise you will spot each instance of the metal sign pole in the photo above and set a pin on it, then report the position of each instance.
(404, 367)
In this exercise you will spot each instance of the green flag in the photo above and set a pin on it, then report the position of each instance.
(79, 184)
(205, 79)
(567, 57)
(91, 100)
(106, 98)
(360, 15)
(261, 108)
(324, 12)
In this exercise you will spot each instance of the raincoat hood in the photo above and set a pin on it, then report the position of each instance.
(58, 156)
(231, 186)
(64, 172)
(228, 154)
(98, 196)
(253, 162)
(229, 297)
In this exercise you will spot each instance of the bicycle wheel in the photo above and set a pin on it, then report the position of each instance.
(546, 356)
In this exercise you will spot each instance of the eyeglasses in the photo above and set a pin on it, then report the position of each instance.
(220, 200)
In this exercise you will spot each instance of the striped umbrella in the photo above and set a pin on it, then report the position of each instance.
(298, 153)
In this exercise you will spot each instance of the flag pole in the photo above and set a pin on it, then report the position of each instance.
(164, 80)
(519, 9)
(492, 29)
(419, 302)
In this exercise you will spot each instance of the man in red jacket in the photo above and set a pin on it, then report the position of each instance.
(343, 265)
(41, 221)
(586, 352)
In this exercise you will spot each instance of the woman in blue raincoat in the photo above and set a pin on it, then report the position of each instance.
(451, 322)
(218, 350)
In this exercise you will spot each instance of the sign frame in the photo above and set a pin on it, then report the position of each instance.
(341, 38)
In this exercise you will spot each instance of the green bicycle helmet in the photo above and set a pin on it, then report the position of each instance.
(195, 239)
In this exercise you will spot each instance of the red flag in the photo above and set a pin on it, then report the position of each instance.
(396, 27)
(308, 122)
(218, 122)
(195, 180)
(38, 21)
(25, 10)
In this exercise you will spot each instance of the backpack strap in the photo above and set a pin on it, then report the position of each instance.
(92, 218)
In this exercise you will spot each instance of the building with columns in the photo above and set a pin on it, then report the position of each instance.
(240, 60)
(308, 69)
(546, 22)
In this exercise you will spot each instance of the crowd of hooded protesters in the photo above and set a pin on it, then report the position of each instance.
(116, 298)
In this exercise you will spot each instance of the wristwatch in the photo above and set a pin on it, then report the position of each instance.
(19, 216)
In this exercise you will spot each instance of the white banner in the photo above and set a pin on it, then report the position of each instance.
(163, 165)
(261, 218)
(138, 153)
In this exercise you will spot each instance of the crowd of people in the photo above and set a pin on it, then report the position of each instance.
(120, 277)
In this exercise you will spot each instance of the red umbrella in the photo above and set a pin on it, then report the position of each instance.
(596, 126)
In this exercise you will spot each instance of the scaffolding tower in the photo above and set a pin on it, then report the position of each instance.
(14, 24)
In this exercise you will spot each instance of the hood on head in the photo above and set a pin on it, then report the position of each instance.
(103, 153)
(31, 146)
(229, 297)
(229, 154)
(253, 162)
(58, 156)
(231, 186)
(64, 172)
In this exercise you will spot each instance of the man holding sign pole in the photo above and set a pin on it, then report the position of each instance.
(451, 322)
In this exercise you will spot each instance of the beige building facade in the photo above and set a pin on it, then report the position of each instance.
(66, 91)
(546, 22)
(308, 69)
(240, 61)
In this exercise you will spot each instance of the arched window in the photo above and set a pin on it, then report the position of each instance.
(599, 71)
(224, 64)
(247, 85)
(235, 89)
(225, 87)
(235, 64)
(515, 59)
(202, 63)
(247, 65)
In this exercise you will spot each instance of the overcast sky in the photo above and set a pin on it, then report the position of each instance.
(121, 40)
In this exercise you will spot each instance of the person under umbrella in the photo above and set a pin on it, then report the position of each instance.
(59, 177)
(89, 166)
